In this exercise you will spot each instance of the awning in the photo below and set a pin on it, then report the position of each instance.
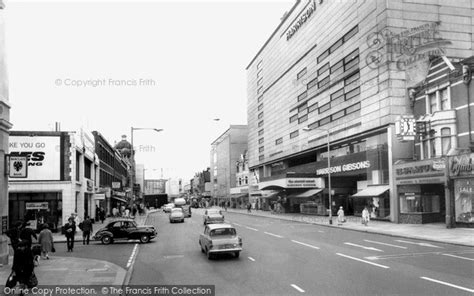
(371, 191)
(239, 195)
(118, 198)
(307, 193)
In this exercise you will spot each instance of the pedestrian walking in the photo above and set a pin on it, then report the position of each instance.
(22, 268)
(340, 216)
(249, 207)
(27, 234)
(45, 239)
(86, 230)
(14, 234)
(127, 212)
(70, 231)
(102, 215)
(365, 216)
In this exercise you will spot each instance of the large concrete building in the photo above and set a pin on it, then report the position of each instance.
(339, 72)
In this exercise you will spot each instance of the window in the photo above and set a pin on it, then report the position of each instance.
(338, 68)
(443, 96)
(260, 115)
(261, 149)
(425, 145)
(433, 102)
(338, 115)
(260, 123)
(324, 108)
(301, 73)
(260, 141)
(445, 140)
(312, 83)
(323, 69)
(350, 34)
(260, 99)
(259, 90)
(351, 60)
(351, 82)
(325, 120)
(302, 107)
(336, 45)
(87, 168)
(259, 73)
(352, 108)
(293, 118)
(259, 81)
(313, 125)
(261, 157)
(294, 134)
(278, 141)
(323, 56)
(260, 132)
(323, 82)
(353, 93)
(303, 96)
(336, 95)
(259, 65)
(433, 147)
(246, 180)
(312, 107)
(303, 118)
(260, 107)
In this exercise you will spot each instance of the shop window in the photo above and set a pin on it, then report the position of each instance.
(445, 140)
(301, 73)
(463, 210)
(293, 118)
(312, 83)
(302, 96)
(294, 134)
(419, 203)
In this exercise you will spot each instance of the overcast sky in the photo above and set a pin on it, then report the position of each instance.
(111, 65)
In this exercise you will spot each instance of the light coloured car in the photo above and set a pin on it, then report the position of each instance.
(213, 216)
(220, 239)
(167, 207)
(176, 215)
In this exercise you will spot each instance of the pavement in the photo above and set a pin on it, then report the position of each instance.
(76, 271)
(435, 232)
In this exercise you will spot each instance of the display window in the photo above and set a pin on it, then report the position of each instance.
(463, 200)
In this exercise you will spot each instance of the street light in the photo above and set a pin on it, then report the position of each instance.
(307, 129)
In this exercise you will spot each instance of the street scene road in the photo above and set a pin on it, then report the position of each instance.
(291, 258)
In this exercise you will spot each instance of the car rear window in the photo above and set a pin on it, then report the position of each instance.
(223, 231)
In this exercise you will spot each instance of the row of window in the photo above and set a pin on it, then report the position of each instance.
(335, 116)
(243, 181)
(338, 43)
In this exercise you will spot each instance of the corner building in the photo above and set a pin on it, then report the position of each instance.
(339, 72)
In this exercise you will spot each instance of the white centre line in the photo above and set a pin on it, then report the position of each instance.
(357, 259)
(308, 245)
(297, 288)
(420, 244)
(275, 235)
(385, 244)
(251, 228)
(447, 284)
(465, 258)
(320, 231)
(251, 259)
(363, 247)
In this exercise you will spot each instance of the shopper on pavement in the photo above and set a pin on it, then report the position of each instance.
(45, 239)
(249, 207)
(340, 216)
(86, 230)
(102, 215)
(14, 234)
(23, 265)
(70, 231)
(365, 216)
(27, 234)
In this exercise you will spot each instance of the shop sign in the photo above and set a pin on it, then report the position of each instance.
(119, 193)
(405, 128)
(305, 15)
(301, 183)
(4, 224)
(345, 168)
(431, 171)
(100, 196)
(43, 154)
(37, 206)
(17, 166)
(461, 165)
(116, 185)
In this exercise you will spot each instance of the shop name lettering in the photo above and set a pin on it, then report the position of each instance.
(463, 164)
(420, 169)
(34, 158)
(345, 168)
(306, 15)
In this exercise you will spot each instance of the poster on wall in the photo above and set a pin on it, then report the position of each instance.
(43, 154)
(463, 200)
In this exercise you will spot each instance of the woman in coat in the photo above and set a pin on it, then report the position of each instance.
(340, 216)
(365, 216)
(23, 265)
(45, 239)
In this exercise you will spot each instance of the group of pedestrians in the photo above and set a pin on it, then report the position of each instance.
(342, 219)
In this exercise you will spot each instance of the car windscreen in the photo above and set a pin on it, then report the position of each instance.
(222, 231)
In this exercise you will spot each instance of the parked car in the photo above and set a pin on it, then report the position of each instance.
(220, 239)
(167, 207)
(213, 216)
(176, 214)
(125, 229)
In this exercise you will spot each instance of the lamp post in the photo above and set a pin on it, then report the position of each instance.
(307, 129)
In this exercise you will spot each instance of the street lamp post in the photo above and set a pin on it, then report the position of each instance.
(307, 129)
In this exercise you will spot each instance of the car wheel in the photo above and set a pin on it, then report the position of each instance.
(237, 254)
(106, 240)
(144, 239)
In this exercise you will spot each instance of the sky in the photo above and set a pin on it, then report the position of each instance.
(112, 65)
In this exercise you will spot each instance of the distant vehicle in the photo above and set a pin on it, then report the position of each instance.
(125, 229)
(181, 203)
(167, 207)
(220, 239)
(176, 214)
(213, 216)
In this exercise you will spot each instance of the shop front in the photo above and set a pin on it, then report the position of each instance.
(377, 200)
(461, 174)
(421, 191)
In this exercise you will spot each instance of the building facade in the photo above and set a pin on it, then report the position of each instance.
(337, 73)
(225, 152)
(240, 193)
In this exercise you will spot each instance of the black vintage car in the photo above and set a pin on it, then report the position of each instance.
(125, 229)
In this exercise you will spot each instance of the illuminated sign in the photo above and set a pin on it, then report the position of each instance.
(405, 128)
(462, 165)
(345, 168)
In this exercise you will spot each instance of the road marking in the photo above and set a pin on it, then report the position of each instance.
(420, 244)
(133, 256)
(415, 254)
(363, 247)
(251, 259)
(275, 235)
(311, 246)
(237, 224)
(357, 259)
(447, 284)
(465, 258)
(320, 231)
(297, 288)
(173, 256)
(385, 244)
(251, 228)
